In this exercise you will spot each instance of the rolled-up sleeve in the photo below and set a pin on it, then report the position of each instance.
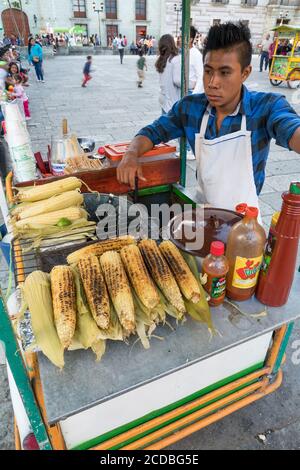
(166, 128)
(282, 122)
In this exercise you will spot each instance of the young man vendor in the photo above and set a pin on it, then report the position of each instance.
(228, 127)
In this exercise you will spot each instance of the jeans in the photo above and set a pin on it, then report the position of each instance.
(121, 52)
(39, 70)
(264, 58)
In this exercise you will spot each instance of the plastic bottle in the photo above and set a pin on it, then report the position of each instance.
(216, 267)
(270, 243)
(245, 248)
(276, 279)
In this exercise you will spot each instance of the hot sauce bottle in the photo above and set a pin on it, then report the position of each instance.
(280, 257)
(245, 248)
(216, 267)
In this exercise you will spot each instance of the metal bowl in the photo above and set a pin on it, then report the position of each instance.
(216, 225)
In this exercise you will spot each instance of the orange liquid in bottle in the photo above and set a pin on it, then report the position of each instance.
(216, 267)
(245, 248)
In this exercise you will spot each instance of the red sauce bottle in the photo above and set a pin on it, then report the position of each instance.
(276, 278)
(216, 267)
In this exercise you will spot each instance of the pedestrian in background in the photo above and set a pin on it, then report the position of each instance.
(87, 71)
(271, 53)
(121, 48)
(168, 65)
(19, 93)
(36, 59)
(141, 67)
(264, 53)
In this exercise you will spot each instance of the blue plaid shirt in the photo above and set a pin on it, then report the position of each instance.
(268, 115)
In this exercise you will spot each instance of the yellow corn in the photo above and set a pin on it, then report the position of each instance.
(52, 218)
(161, 273)
(95, 290)
(45, 191)
(139, 276)
(183, 275)
(119, 289)
(98, 249)
(64, 303)
(55, 203)
(37, 293)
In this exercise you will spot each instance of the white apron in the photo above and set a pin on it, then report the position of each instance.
(225, 170)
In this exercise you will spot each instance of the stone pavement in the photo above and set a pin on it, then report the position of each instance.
(112, 109)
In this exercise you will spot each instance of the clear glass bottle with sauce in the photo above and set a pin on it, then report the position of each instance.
(216, 267)
(245, 248)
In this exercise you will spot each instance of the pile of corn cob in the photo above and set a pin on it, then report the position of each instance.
(112, 290)
(51, 210)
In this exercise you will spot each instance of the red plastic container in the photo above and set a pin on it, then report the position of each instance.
(277, 276)
(116, 152)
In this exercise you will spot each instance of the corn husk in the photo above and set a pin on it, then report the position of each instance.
(37, 294)
(200, 311)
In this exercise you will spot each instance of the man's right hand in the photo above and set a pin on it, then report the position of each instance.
(128, 169)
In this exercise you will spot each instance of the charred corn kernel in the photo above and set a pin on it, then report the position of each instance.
(40, 193)
(55, 203)
(139, 276)
(119, 289)
(64, 303)
(95, 290)
(37, 293)
(186, 280)
(100, 248)
(161, 273)
(52, 218)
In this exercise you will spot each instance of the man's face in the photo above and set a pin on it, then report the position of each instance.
(223, 77)
(268, 36)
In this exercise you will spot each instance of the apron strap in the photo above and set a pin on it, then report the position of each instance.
(205, 123)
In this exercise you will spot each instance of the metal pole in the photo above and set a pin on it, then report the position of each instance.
(186, 14)
(99, 27)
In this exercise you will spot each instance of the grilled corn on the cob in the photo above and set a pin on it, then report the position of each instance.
(119, 289)
(161, 273)
(139, 276)
(55, 203)
(186, 280)
(95, 290)
(98, 249)
(72, 214)
(64, 303)
(40, 193)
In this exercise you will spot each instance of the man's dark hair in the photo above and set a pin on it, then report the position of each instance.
(230, 36)
(193, 32)
(89, 57)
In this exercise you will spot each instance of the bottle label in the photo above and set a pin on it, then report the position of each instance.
(246, 272)
(270, 247)
(58, 169)
(218, 287)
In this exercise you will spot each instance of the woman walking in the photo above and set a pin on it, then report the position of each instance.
(168, 65)
(36, 59)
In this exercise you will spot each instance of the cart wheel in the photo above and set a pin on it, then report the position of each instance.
(275, 82)
(292, 82)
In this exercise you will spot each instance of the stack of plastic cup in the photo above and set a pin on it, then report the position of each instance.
(19, 143)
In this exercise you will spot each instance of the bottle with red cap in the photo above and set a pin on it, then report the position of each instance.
(216, 267)
(276, 277)
(245, 248)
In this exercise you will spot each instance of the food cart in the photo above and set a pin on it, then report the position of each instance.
(286, 67)
(148, 399)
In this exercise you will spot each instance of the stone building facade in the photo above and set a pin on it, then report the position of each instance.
(260, 15)
(132, 18)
